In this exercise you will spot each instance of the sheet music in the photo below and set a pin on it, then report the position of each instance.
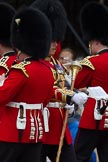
(97, 92)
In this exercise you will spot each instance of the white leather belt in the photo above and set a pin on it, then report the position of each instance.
(25, 105)
(55, 105)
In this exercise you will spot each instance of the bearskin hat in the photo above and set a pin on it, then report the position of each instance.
(94, 22)
(55, 12)
(6, 14)
(31, 32)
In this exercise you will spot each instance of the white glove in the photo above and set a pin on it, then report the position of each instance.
(70, 108)
(100, 104)
(79, 98)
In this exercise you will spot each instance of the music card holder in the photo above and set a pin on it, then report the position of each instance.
(98, 93)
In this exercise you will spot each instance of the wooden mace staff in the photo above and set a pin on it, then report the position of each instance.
(75, 68)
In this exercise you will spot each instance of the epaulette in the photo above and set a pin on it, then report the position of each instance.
(87, 62)
(21, 66)
(3, 61)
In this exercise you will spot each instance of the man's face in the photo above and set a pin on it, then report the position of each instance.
(65, 57)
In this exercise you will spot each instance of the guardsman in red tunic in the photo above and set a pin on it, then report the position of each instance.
(93, 129)
(7, 54)
(27, 88)
(55, 111)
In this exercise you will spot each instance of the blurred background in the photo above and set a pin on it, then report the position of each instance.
(73, 35)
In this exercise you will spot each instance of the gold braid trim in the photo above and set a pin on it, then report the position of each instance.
(64, 98)
(64, 67)
(3, 61)
(87, 62)
(65, 92)
(57, 74)
(21, 66)
(54, 73)
(53, 60)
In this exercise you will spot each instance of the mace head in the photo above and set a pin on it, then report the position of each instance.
(76, 66)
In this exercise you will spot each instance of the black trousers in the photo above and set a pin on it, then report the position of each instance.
(17, 152)
(67, 153)
(87, 140)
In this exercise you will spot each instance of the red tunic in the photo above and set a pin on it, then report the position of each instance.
(56, 115)
(30, 82)
(91, 76)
